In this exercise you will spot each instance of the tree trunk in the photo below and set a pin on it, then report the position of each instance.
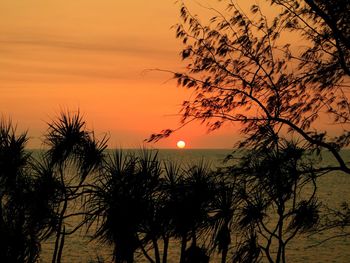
(280, 235)
(59, 239)
(123, 255)
(284, 254)
(156, 251)
(60, 251)
(165, 249)
(144, 252)
(194, 238)
(183, 248)
(224, 254)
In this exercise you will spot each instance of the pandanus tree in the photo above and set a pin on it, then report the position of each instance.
(175, 192)
(156, 223)
(223, 212)
(26, 212)
(73, 154)
(122, 203)
(171, 179)
(17, 243)
(279, 200)
(189, 194)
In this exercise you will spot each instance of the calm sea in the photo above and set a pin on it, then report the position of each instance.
(334, 188)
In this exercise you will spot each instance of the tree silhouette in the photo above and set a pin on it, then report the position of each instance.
(279, 199)
(153, 225)
(73, 154)
(189, 195)
(122, 202)
(224, 208)
(277, 76)
(25, 212)
(136, 201)
(172, 179)
(241, 69)
(14, 186)
(326, 25)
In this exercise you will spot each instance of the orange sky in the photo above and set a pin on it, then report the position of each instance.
(94, 55)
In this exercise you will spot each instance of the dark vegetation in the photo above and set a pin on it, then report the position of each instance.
(241, 70)
(279, 77)
(135, 202)
(275, 76)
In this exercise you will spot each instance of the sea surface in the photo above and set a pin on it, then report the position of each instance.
(333, 189)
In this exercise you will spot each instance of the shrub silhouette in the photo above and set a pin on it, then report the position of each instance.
(71, 146)
(121, 201)
(137, 201)
(24, 212)
(275, 206)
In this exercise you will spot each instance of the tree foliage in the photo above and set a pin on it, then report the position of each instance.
(272, 75)
(25, 212)
(139, 204)
(73, 154)
(278, 188)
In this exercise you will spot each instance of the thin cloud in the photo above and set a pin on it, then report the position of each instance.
(121, 45)
(101, 58)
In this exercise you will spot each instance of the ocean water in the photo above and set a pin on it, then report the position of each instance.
(333, 189)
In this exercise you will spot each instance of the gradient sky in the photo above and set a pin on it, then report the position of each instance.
(94, 55)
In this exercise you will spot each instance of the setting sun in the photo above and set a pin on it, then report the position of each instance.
(181, 144)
